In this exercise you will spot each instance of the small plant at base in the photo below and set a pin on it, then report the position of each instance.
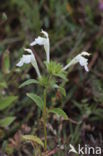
(49, 81)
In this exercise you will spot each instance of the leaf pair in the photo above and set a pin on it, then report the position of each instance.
(39, 102)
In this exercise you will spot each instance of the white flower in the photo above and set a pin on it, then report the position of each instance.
(30, 58)
(79, 59)
(45, 42)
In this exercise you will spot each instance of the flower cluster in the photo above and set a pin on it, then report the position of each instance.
(30, 58)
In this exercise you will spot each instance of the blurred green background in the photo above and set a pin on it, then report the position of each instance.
(73, 26)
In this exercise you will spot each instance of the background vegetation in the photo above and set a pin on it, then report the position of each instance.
(73, 26)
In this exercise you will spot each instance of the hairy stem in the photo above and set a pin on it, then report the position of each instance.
(44, 120)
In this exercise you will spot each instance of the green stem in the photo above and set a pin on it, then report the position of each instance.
(44, 120)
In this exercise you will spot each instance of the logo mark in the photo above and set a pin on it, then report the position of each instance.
(72, 149)
(85, 150)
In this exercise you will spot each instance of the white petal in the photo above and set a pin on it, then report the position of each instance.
(86, 68)
(83, 61)
(39, 41)
(26, 59)
(45, 33)
(85, 53)
(28, 50)
(47, 49)
(79, 59)
(29, 59)
(32, 55)
(45, 42)
(35, 65)
(20, 63)
(72, 62)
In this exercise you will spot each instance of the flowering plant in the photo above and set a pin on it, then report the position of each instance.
(49, 81)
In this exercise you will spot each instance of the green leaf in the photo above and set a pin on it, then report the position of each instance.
(6, 121)
(56, 69)
(28, 82)
(43, 81)
(46, 82)
(62, 76)
(33, 139)
(3, 84)
(6, 102)
(59, 112)
(6, 62)
(37, 99)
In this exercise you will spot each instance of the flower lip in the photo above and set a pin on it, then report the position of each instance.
(29, 58)
(45, 42)
(39, 40)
